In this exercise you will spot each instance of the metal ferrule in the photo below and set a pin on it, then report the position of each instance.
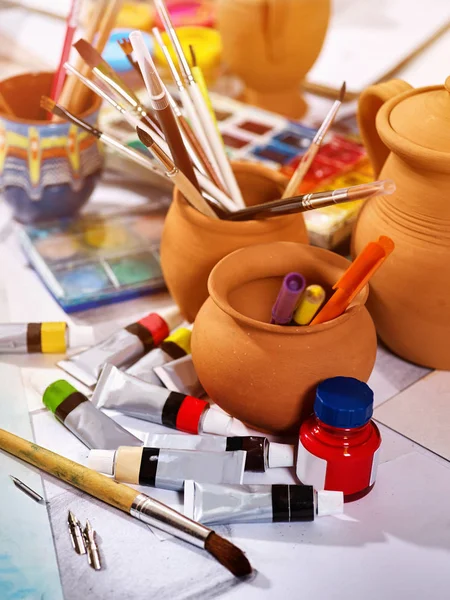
(163, 517)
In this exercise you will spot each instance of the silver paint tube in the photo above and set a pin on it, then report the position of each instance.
(25, 338)
(122, 348)
(180, 376)
(166, 468)
(225, 504)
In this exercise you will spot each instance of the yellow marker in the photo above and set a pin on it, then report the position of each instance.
(310, 303)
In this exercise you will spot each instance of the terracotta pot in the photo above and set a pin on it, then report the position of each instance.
(192, 243)
(406, 133)
(271, 45)
(266, 374)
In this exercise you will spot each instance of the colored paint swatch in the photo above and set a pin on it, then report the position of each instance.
(135, 269)
(255, 127)
(233, 142)
(86, 279)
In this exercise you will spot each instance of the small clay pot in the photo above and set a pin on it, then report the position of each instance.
(266, 374)
(192, 243)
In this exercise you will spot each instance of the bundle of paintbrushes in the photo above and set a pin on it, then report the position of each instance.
(185, 142)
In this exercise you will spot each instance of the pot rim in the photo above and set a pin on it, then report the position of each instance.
(433, 160)
(358, 303)
(95, 106)
(250, 227)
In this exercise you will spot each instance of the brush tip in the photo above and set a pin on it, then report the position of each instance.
(88, 53)
(342, 92)
(145, 138)
(229, 555)
(47, 103)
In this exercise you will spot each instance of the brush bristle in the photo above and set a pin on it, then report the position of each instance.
(47, 104)
(145, 138)
(342, 92)
(88, 53)
(126, 46)
(230, 556)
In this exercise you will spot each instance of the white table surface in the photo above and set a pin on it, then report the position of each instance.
(392, 544)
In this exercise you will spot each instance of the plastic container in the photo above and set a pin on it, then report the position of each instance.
(339, 445)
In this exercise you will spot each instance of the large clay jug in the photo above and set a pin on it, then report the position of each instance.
(271, 45)
(407, 135)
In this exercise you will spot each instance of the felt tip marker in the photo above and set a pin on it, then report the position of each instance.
(175, 346)
(310, 302)
(131, 396)
(123, 347)
(26, 338)
(168, 469)
(287, 299)
(87, 423)
(224, 504)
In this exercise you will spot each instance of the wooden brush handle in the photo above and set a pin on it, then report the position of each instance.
(300, 172)
(97, 485)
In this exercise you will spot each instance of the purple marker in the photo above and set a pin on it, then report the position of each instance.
(288, 297)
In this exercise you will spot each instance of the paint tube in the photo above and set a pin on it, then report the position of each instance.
(90, 425)
(176, 345)
(121, 348)
(224, 504)
(24, 338)
(136, 398)
(180, 376)
(261, 454)
(168, 469)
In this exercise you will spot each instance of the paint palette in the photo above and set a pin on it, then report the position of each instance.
(93, 261)
(255, 135)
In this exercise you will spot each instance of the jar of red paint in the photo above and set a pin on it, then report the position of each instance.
(339, 445)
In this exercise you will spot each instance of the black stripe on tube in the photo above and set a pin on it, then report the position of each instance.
(292, 503)
(256, 448)
(171, 408)
(34, 343)
(143, 334)
(149, 466)
(173, 350)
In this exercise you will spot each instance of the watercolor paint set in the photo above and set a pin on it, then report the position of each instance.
(255, 135)
(91, 261)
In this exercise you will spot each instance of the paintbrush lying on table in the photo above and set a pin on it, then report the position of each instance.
(128, 500)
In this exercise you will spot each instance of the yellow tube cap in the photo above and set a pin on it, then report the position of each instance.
(310, 303)
(54, 337)
(182, 338)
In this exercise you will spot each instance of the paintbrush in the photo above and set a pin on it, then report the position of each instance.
(196, 135)
(188, 190)
(127, 49)
(314, 147)
(107, 75)
(160, 104)
(137, 157)
(206, 121)
(200, 79)
(191, 194)
(136, 121)
(120, 496)
(298, 204)
(71, 26)
(71, 86)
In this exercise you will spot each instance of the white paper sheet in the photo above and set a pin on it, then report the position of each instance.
(422, 413)
(367, 39)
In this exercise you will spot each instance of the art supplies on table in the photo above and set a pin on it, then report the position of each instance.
(128, 500)
(123, 347)
(92, 261)
(255, 135)
(339, 445)
(91, 426)
(167, 468)
(225, 504)
(131, 396)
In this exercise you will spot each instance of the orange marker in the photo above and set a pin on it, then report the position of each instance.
(355, 278)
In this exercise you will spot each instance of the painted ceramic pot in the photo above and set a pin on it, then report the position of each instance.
(271, 45)
(406, 132)
(48, 170)
(192, 243)
(266, 374)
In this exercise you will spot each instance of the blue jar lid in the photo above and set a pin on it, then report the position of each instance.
(343, 402)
